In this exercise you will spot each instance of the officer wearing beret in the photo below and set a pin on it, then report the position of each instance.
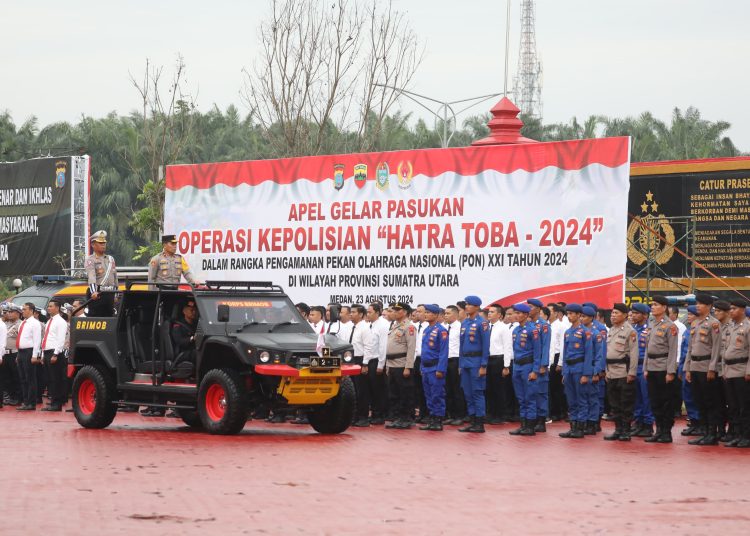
(474, 352)
(101, 273)
(622, 364)
(660, 368)
(693, 427)
(527, 352)
(644, 418)
(704, 349)
(542, 381)
(434, 367)
(599, 343)
(578, 367)
(168, 266)
(736, 370)
(399, 364)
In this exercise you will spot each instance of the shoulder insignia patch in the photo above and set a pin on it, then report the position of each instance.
(545, 328)
(485, 326)
(674, 330)
(445, 334)
(632, 336)
(716, 326)
(411, 330)
(588, 334)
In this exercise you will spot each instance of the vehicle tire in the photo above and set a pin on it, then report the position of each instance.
(336, 415)
(93, 397)
(222, 402)
(190, 417)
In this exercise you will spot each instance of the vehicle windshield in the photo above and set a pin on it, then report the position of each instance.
(264, 311)
(40, 302)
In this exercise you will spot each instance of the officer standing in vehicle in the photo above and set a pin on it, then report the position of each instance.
(660, 368)
(399, 364)
(474, 353)
(102, 277)
(169, 266)
(705, 345)
(622, 365)
(434, 367)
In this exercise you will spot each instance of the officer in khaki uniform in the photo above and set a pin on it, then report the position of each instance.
(736, 371)
(399, 355)
(660, 368)
(101, 273)
(622, 366)
(705, 345)
(169, 266)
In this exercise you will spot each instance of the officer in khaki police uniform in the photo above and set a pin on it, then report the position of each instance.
(402, 340)
(168, 266)
(736, 372)
(101, 273)
(622, 367)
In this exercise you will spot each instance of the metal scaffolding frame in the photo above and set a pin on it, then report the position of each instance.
(651, 269)
(527, 90)
(80, 204)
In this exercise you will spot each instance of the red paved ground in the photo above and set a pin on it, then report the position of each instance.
(155, 476)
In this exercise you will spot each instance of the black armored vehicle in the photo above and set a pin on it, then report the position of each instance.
(250, 349)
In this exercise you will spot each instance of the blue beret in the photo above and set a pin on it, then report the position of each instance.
(588, 310)
(432, 308)
(473, 300)
(573, 308)
(535, 302)
(641, 308)
(593, 306)
(692, 309)
(522, 308)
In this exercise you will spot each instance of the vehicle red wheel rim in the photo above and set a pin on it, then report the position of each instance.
(87, 397)
(216, 402)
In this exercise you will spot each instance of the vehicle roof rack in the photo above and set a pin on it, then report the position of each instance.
(51, 278)
(218, 285)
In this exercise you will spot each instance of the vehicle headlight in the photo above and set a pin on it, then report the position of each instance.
(348, 356)
(264, 356)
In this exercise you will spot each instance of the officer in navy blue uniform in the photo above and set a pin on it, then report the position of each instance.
(644, 418)
(542, 382)
(527, 355)
(473, 355)
(593, 402)
(602, 368)
(434, 368)
(578, 367)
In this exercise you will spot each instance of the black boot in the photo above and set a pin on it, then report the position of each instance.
(578, 430)
(569, 433)
(528, 427)
(712, 438)
(520, 428)
(666, 435)
(654, 438)
(478, 426)
(626, 432)
(429, 421)
(647, 430)
(436, 425)
(469, 426)
(589, 428)
(541, 425)
(614, 436)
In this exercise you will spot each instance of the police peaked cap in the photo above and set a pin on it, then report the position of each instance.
(722, 305)
(432, 308)
(573, 308)
(660, 300)
(522, 308)
(535, 302)
(473, 300)
(620, 307)
(641, 308)
(168, 238)
(588, 311)
(705, 299)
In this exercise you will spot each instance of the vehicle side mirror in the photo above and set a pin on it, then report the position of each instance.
(222, 312)
(333, 313)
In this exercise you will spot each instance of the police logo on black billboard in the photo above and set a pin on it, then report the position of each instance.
(61, 166)
(650, 236)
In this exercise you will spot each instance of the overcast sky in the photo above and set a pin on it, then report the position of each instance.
(60, 60)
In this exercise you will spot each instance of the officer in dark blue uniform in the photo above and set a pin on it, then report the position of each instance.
(542, 382)
(474, 353)
(588, 315)
(644, 418)
(434, 368)
(601, 384)
(527, 355)
(578, 367)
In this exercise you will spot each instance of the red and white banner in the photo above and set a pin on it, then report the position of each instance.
(506, 223)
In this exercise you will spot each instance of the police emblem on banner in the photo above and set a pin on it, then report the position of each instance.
(61, 166)
(381, 176)
(650, 236)
(360, 175)
(404, 174)
(338, 176)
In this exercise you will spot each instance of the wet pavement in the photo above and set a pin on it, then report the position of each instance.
(156, 476)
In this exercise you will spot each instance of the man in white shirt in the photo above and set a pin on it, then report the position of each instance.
(316, 318)
(53, 345)
(556, 392)
(455, 403)
(28, 343)
(511, 401)
(379, 328)
(501, 354)
(419, 326)
(345, 323)
(361, 339)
